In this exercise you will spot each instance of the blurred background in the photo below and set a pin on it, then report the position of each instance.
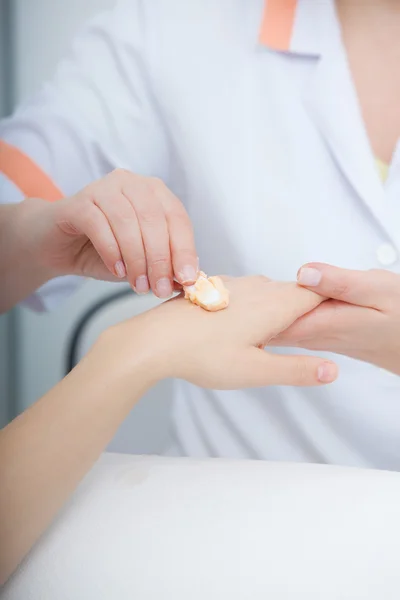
(34, 347)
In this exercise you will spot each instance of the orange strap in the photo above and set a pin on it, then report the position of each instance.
(26, 175)
(278, 23)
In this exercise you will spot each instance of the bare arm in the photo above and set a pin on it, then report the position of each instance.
(46, 451)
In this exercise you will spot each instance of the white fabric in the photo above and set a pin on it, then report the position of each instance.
(269, 153)
(175, 529)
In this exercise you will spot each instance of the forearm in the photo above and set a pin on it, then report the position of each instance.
(46, 451)
(20, 271)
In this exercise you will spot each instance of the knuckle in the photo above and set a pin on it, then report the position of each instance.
(179, 215)
(151, 215)
(160, 265)
(341, 289)
(120, 173)
(155, 185)
(160, 260)
(88, 212)
(87, 195)
(121, 213)
(137, 264)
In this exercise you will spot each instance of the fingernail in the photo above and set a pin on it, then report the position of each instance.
(327, 372)
(164, 288)
(309, 276)
(142, 285)
(120, 269)
(188, 274)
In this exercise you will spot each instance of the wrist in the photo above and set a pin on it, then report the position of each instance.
(390, 362)
(130, 358)
(21, 271)
(386, 359)
(33, 229)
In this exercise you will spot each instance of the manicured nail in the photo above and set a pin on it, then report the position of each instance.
(142, 285)
(188, 274)
(327, 372)
(120, 269)
(309, 277)
(164, 288)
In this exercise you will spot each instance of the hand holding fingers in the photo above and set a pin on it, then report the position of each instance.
(273, 305)
(372, 289)
(322, 327)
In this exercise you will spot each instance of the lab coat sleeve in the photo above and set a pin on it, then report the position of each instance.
(96, 114)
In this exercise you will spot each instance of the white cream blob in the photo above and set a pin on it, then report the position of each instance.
(212, 297)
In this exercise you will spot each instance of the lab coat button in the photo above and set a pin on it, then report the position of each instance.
(386, 255)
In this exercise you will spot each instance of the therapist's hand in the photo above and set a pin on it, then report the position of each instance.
(220, 350)
(122, 226)
(361, 319)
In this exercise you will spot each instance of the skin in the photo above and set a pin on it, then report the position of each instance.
(91, 234)
(46, 451)
(371, 36)
(133, 227)
(123, 226)
(361, 319)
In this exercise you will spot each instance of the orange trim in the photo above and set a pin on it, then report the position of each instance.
(26, 175)
(278, 23)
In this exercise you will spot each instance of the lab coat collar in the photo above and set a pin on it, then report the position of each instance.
(292, 26)
(311, 28)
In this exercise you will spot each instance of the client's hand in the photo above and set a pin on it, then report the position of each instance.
(361, 319)
(48, 449)
(221, 350)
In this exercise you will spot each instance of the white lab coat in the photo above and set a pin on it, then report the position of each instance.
(268, 151)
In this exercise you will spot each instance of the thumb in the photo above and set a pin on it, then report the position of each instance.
(364, 288)
(262, 369)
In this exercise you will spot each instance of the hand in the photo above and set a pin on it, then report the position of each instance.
(122, 226)
(220, 350)
(361, 320)
(177, 339)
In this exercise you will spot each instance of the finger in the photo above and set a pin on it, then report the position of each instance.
(299, 300)
(155, 236)
(91, 221)
(326, 324)
(261, 369)
(124, 223)
(181, 237)
(295, 302)
(365, 288)
(331, 328)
